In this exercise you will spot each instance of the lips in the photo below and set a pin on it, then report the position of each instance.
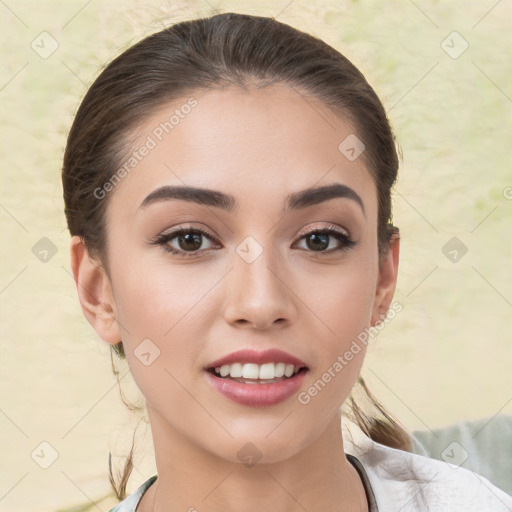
(256, 378)
(260, 358)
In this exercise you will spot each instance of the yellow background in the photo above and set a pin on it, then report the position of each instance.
(446, 356)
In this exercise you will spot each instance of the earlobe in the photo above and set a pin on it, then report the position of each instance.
(388, 273)
(94, 292)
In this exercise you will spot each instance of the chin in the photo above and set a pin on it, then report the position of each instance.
(254, 444)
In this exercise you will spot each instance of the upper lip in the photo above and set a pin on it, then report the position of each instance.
(253, 356)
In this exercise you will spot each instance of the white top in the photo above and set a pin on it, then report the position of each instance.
(396, 480)
(407, 482)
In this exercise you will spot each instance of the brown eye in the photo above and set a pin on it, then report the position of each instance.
(189, 241)
(184, 242)
(317, 241)
(320, 239)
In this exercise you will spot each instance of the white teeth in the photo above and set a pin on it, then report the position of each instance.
(279, 371)
(267, 371)
(250, 371)
(235, 370)
(288, 370)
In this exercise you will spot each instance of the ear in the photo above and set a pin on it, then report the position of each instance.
(94, 292)
(388, 273)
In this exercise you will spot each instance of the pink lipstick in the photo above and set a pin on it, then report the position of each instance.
(257, 378)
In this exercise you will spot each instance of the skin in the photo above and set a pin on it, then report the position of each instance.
(258, 145)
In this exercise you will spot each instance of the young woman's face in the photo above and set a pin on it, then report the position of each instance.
(251, 280)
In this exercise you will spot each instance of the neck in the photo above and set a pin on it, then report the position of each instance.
(190, 479)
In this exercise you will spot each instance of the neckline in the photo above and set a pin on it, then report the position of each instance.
(370, 496)
(142, 490)
(356, 463)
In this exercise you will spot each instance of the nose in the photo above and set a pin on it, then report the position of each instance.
(259, 294)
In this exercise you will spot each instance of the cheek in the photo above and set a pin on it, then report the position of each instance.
(341, 298)
(341, 304)
(162, 310)
(348, 301)
(154, 299)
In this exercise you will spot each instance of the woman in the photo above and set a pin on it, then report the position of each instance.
(227, 184)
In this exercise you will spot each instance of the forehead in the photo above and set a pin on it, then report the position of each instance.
(254, 144)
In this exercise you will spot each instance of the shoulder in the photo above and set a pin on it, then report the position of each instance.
(129, 504)
(412, 482)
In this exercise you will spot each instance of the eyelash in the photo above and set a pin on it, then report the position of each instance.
(164, 238)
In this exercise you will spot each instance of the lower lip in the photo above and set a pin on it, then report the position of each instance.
(257, 395)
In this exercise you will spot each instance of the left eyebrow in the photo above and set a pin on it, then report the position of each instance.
(294, 201)
(316, 195)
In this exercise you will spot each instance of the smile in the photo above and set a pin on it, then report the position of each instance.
(255, 378)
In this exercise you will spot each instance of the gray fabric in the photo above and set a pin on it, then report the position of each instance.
(483, 446)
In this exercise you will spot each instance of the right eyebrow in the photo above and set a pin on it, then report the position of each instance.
(202, 196)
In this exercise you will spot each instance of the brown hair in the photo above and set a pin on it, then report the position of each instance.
(225, 49)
